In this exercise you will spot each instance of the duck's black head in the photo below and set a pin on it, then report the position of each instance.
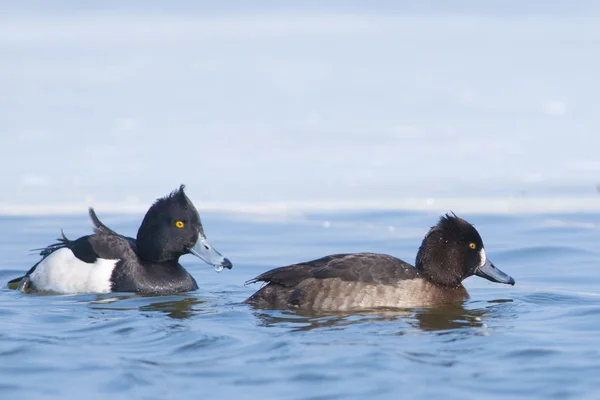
(172, 228)
(453, 251)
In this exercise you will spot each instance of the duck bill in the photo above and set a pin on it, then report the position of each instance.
(207, 253)
(491, 273)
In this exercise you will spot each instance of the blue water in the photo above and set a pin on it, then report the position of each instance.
(538, 339)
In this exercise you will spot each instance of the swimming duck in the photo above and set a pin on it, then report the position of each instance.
(451, 251)
(109, 262)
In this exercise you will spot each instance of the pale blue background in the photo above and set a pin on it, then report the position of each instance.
(313, 120)
(115, 103)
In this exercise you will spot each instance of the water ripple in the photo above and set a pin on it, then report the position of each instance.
(538, 339)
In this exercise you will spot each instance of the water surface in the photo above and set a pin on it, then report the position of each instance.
(538, 339)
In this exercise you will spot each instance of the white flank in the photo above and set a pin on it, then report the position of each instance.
(62, 272)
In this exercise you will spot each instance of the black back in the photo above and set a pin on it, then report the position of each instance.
(358, 267)
(81, 247)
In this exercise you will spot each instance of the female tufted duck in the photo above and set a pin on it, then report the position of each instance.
(450, 252)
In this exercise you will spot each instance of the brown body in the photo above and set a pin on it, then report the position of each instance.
(451, 251)
(346, 282)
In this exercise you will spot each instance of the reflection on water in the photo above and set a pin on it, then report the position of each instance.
(444, 318)
(448, 318)
(176, 307)
(302, 321)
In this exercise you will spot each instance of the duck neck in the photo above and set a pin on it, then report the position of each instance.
(149, 248)
(436, 265)
(447, 282)
(438, 273)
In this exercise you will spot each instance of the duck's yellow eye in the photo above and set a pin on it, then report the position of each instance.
(179, 224)
(473, 245)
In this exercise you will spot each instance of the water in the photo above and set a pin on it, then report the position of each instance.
(538, 339)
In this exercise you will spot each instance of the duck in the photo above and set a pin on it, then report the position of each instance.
(450, 252)
(106, 262)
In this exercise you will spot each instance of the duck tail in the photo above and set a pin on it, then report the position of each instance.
(14, 283)
(63, 241)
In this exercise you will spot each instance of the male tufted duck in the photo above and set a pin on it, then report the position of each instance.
(108, 262)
